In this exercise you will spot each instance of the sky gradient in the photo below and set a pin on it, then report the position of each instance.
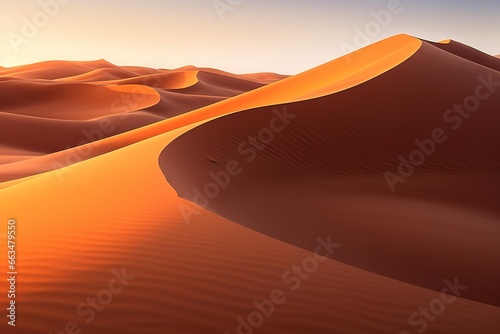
(284, 36)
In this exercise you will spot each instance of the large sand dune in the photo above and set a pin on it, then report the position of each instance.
(324, 174)
(122, 198)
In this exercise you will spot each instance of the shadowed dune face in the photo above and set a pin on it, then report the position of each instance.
(72, 101)
(469, 53)
(322, 171)
(50, 70)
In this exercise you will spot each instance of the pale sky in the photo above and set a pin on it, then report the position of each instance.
(284, 36)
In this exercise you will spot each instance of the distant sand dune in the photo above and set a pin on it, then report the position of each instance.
(101, 74)
(71, 99)
(61, 101)
(50, 70)
(469, 53)
(163, 80)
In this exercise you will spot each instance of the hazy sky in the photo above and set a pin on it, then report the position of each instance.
(285, 36)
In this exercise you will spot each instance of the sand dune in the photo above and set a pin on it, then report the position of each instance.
(65, 133)
(100, 74)
(469, 53)
(174, 103)
(57, 101)
(50, 70)
(266, 78)
(88, 101)
(314, 83)
(168, 80)
(216, 84)
(263, 78)
(189, 278)
(335, 154)
(88, 205)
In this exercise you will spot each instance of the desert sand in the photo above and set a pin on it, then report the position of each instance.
(98, 185)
